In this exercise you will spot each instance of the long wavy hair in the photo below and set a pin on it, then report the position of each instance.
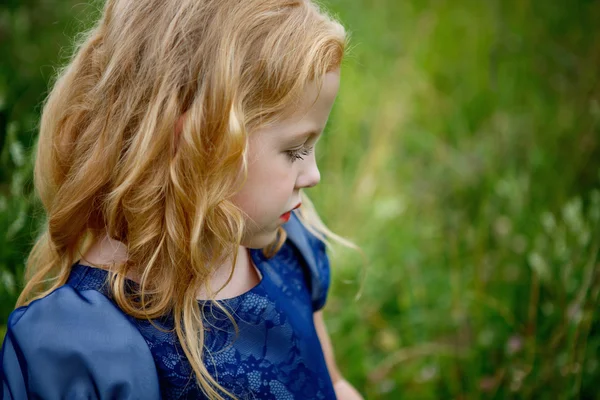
(109, 161)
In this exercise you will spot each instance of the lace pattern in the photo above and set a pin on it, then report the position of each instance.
(277, 354)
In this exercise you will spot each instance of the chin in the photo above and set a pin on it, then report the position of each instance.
(259, 240)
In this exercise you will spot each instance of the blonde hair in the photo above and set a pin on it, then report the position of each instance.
(108, 159)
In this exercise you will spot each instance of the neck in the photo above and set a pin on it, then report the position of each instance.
(244, 277)
(105, 253)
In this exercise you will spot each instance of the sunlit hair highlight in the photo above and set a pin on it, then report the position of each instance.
(108, 160)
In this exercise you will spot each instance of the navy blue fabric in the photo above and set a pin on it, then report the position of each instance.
(93, 350)
(75, 345)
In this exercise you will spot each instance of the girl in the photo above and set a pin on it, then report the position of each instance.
(172, 155)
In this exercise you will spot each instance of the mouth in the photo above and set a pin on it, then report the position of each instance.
(286, 217)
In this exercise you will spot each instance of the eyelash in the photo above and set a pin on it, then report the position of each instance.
(298, 154)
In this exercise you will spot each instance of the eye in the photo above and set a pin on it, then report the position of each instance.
(298, 154)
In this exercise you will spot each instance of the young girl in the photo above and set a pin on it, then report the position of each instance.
(172, 156)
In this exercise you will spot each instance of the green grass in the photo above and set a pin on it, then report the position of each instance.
(463, 157)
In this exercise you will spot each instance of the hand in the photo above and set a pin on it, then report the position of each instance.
(345, 391)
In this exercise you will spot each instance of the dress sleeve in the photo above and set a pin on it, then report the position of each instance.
(75, 345)
(315, 259)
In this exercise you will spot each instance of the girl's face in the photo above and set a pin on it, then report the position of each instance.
(281, 161)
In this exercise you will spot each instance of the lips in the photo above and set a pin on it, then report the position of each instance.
(286, 217)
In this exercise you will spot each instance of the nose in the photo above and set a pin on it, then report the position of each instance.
(309, 175)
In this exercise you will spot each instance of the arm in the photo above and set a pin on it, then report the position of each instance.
(343, 389)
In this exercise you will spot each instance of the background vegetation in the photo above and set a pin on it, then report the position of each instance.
(463, 155)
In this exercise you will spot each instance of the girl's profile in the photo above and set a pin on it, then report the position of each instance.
(181, 258)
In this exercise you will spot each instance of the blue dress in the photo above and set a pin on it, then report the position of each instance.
(76, 344)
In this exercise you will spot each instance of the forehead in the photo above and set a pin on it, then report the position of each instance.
(309, 111)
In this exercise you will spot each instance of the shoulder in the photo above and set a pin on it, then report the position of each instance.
(71, 342)
(314, 257)
(71, 313)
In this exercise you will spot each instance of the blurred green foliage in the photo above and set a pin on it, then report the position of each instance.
(463, 156)
(34, 36)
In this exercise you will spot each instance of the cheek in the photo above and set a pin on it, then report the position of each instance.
(269, 170)
(268, 188)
